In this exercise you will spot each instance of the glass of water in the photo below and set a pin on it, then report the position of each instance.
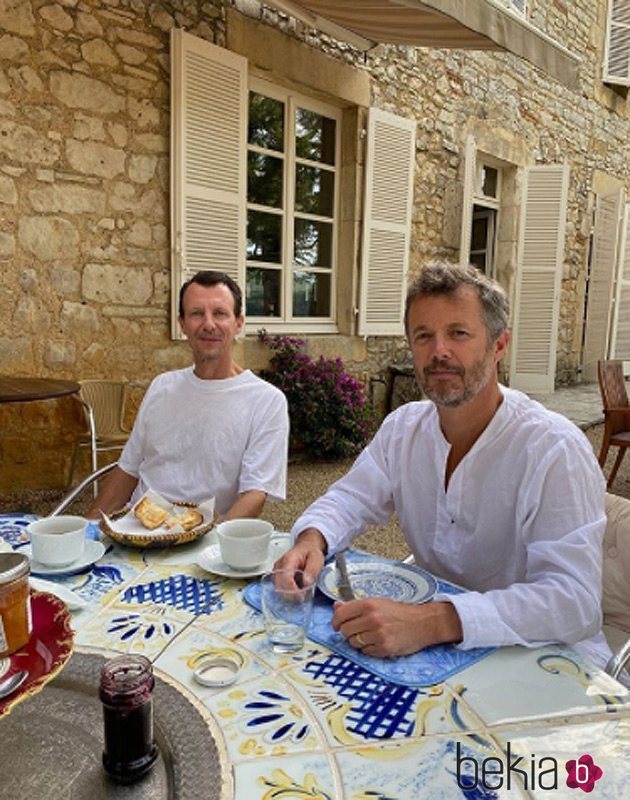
(287, 603)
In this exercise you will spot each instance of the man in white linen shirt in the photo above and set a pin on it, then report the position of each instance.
(212, 429)
(492, 492)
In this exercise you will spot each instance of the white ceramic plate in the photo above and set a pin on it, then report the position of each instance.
(210, 559)
(92, 551)
(374, 578)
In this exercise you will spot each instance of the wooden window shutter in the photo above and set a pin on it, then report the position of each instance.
(620, 336)
(537, 301)
(389, 173)
(470, 173)
(608, 210)
(617, 52)
(208, 172)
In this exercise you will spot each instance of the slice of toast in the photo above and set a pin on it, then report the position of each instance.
(188, 518)
(150, 514)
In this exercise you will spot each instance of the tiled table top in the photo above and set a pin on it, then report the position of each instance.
(520, 723)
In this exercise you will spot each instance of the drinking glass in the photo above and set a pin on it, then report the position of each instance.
(287, 603)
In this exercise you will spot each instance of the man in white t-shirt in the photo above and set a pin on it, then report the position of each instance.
(492, 491)
(210, 430)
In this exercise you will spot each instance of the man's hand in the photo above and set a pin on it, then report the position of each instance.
(308, 553)
(381, 627)
(115, 492)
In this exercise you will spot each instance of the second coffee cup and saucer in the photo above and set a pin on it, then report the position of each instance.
(244, 548)
(59, 547)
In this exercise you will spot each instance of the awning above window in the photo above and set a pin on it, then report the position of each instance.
(466, 24)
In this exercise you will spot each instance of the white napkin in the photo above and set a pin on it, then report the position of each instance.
(70, 598)
(130, 524)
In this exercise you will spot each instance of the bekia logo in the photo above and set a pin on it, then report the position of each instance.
(583, 773)
(537, 773)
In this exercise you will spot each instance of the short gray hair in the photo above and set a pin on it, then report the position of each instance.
(445, 278)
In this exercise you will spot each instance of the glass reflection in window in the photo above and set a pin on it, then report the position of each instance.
(266, 122)
(313, 243)
(264, 180)
(262, 292)
(314, 190)
(311, 294)
(489, 181)
(314, 136)
(264, 237)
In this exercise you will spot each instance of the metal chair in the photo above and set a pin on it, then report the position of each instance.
(612, 387)
(104, 405)
(74, 493)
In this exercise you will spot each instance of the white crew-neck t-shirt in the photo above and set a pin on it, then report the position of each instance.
(194, 439)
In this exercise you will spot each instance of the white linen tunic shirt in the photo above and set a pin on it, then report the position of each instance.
(520, 525)
(194, 439)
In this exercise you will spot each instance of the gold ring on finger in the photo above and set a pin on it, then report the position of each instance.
(360, 641)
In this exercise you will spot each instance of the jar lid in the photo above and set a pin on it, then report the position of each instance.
(216, 672)
(12, 566)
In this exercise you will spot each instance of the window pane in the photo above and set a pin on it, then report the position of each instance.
(313, 243)
(479, 234)
(264, 236)
(266, 122)
(262, 293)
(489, 180)
(311, 294)
(314, 136)
(314, 190)
(478, 260)
(264, 180)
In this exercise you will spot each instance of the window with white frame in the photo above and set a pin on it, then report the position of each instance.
(292, 199)
(485, 210)
(256, 178)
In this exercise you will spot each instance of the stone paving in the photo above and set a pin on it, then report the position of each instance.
(581, 403)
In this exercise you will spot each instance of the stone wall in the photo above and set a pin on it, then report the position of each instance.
(84, 168)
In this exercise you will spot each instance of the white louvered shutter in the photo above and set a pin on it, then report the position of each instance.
(620, 337)
(470, 171)
(537, 301)
(608, 210)
(617, 53)
(389, 173)
(208, 172)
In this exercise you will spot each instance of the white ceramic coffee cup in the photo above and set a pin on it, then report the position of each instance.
(57, 541)
(244, 543)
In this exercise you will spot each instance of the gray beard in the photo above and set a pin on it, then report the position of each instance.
(474, 380)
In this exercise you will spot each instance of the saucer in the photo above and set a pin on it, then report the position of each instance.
(92, 551)
(210, 559)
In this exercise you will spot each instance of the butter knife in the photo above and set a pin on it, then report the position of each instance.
(343, 580)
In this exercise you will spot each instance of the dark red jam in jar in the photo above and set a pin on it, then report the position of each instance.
(126, 692)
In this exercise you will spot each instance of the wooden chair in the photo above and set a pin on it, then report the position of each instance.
(616, 413)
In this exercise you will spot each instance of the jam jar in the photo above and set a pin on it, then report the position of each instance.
(126, 691)
(15, 605)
